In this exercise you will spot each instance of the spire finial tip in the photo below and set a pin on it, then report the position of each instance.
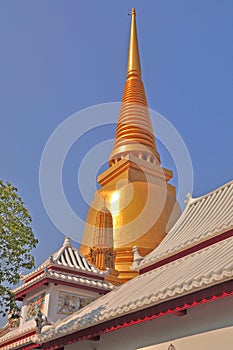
(67, 241)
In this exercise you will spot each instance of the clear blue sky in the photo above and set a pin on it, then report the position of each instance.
(58, 57)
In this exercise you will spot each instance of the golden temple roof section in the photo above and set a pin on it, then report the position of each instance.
(134, 133)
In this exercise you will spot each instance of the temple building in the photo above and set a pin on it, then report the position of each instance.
(135, 187)
(178, 273)
(63, 284)
(181, 299)
(183, 294)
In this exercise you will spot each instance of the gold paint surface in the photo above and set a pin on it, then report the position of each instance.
(143, 209)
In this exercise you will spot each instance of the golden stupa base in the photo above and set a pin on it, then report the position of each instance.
(123, 263)
(143, 207)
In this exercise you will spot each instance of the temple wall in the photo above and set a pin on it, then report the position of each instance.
(51, 300)
(207, 322)
(213, 340)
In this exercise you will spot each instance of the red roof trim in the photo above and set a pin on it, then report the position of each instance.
(187, 251)
(35, 274)
(77, 272)
(15, 340)
(32, 346)
(20, 294)
(171, 306)
(97, 289)
(57, 267)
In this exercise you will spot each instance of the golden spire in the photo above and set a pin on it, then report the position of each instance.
(134, 133)
(134, 66)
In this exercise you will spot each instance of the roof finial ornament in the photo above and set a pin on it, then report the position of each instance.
(67, 242)
(137, 258)
(189, 198)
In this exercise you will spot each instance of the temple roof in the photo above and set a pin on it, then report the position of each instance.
(203, 218)
(66, 265)
(68, 257)
(16, 338)
(206, 268)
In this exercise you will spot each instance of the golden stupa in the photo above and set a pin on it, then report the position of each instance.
(135, 188)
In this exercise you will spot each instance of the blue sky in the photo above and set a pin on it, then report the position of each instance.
(58, 57)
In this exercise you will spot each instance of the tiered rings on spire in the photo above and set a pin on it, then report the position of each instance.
(134, 134)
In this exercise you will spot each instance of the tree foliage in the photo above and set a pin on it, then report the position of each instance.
(16, 242)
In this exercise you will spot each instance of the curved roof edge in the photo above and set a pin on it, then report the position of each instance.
(204, 217)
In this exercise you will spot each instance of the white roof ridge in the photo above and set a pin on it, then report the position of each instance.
(182, 246)
(54, 259)
(185, 257)
(192, 200)
(55, 274)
